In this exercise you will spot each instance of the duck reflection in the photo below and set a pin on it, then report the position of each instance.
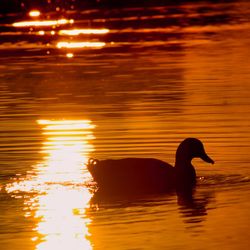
(193, 206)
(127, 221)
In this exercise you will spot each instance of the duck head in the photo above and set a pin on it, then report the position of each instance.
(188, 149)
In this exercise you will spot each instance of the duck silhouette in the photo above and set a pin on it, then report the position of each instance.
(148, 175)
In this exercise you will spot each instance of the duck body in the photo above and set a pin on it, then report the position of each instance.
(148, 175)
(132, 175)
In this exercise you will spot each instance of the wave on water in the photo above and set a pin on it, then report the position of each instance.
(220, 180)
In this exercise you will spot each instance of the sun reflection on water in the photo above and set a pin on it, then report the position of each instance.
(70, 55)
(42, 23)
(34, 13)
(72, 45)
(56, 195)
(76, 32)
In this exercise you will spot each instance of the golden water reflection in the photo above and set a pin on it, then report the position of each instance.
(50, 28)
(76, 32)
(34, 13)
(43, 23)
(70, 55)
(73, 45)
(57, 192)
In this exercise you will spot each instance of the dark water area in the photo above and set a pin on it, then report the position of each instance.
(120, 80)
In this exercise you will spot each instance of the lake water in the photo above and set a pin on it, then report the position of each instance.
(118, 82)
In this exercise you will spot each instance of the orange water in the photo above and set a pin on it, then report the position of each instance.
(136, 83)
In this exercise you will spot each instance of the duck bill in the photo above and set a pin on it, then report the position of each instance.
(206, 158)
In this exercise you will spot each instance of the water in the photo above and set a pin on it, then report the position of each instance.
(148, 78)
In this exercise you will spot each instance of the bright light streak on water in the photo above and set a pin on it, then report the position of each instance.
(34, 13)
(60, 197)
(76, 32)
(42, 23)
(69, 55)
(73, 45)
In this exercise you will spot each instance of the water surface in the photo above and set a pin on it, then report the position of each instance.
(118, 82)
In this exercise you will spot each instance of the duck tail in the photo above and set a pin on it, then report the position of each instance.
(92, 162)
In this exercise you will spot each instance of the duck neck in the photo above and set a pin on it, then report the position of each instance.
(185, 172)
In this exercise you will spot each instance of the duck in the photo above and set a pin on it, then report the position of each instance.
(148, 175)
